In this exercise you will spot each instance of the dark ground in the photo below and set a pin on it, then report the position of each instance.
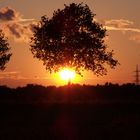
(112, 120)
(70, 122)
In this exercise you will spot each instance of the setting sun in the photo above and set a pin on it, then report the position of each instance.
(67, 74)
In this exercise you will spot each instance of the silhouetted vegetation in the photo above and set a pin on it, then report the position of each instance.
(4, 51)
(72, 94)
(72, 38)
(72, 112)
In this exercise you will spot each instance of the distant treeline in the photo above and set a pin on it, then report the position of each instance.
(34, 94)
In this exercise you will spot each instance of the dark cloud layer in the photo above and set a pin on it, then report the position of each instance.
(14, 25)
(8, 14)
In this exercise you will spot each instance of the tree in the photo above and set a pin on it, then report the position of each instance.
(4, 49)
(72, 38)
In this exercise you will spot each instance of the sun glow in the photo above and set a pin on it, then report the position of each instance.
(67, 74)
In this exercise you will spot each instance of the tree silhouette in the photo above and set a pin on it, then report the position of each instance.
(4, 49)
(72, 38)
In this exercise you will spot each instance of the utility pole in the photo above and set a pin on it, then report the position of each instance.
(137, 75)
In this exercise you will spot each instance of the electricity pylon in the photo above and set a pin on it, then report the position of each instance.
(137, 75)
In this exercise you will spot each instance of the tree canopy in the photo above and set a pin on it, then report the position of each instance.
(72, 38)
(4, 51)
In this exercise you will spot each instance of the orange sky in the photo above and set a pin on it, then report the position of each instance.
(121, 18)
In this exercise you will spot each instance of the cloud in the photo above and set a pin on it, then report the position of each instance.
(20, 32)
(123, 29)
(16, 75)
(11, 75)
(135, 38)
(118, 23)
(10, 72)
(8, 14)
(123, 26)
(14, 25)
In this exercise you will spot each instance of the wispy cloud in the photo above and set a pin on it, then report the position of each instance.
(123, 29)
(118, 23)
(17, 75)
(11, 75)
(135, 38)
(121, 25)
(124, 26)
(15, 25)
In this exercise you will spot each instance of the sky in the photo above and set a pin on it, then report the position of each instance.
(120, 17)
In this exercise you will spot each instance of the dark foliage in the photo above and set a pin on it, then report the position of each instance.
(73, 94)
(4, 49)
(71, 112)
(72, 38)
